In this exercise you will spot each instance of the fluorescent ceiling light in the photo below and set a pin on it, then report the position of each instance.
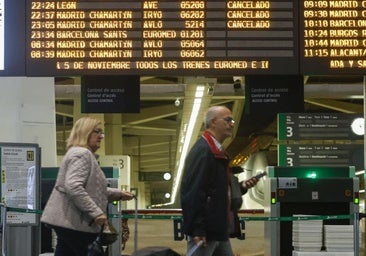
(187, 140)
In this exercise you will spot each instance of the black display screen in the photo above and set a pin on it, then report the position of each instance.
(333, 37)
(109, 37)
(161, 37)
(110, 94)
(12, 42)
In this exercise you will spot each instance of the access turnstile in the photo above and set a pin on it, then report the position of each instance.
(114, 210)
(287, 196)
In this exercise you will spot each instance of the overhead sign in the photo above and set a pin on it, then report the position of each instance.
(12, 38)
(155, 37)
(2, 34)
(321, 155)
(169, 37)
(333, 35)
(269, 95)
(110, 94)
(319, 126)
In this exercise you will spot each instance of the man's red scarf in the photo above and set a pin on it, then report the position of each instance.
(217, 152)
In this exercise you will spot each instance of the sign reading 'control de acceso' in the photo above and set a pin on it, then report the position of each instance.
(110, 94)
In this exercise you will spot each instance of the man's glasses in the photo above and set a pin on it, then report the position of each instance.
(229, 120)
(98, 132)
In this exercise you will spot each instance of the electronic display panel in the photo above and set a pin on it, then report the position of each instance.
(161, 37)
(2, 33)
(333, 37)
(12, 38)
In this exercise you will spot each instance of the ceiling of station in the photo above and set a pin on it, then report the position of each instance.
(150, 137)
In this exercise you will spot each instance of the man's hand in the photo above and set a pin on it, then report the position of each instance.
(197, 239)
(250, 183)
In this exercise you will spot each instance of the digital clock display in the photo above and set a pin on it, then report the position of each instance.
(162, 37)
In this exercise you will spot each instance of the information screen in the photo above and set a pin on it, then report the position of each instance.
(162, 37)
(320, 155)
(12, 38)
(333, 37)
(317, 126)
(2, 34)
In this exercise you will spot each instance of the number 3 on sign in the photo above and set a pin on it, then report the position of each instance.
(289, 132)
(290, 161)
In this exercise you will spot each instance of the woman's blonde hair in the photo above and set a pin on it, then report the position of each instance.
(81, 131)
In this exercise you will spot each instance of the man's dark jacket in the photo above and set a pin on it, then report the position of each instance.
(204, 191)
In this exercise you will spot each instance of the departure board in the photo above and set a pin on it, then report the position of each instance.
(162, 37)
(333, 37)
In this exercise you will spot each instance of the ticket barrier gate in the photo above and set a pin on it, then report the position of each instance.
(287, 196)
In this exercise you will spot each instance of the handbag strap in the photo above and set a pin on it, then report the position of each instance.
(101, 229)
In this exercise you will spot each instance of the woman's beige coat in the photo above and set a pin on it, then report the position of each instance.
(80, 193)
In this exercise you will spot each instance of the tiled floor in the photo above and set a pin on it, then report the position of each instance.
(160, 233)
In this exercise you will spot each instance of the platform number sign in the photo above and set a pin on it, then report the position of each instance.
(317, 126)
